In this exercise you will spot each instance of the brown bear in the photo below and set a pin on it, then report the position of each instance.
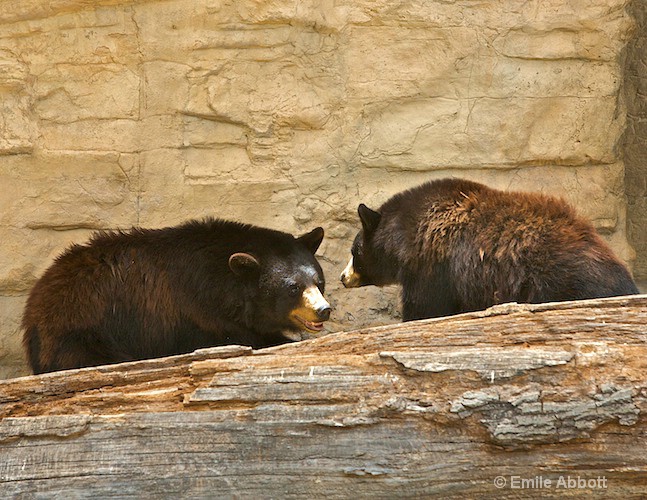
(456, 246)
(156, 292)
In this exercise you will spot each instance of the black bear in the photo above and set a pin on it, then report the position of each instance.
(156, 292)
(457, 246)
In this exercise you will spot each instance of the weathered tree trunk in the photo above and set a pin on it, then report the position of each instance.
(532, 400)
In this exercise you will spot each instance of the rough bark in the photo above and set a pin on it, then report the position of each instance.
(552, 398)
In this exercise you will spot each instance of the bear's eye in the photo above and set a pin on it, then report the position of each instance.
(294, 290)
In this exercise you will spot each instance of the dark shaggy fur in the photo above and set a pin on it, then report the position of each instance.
(458, 246)
(146, 293)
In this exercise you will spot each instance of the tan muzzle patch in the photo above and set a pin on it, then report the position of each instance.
(349, 277)
(308, 315)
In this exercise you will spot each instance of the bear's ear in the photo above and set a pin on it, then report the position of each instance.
(243, 264)
(313, 239)
(370, 218)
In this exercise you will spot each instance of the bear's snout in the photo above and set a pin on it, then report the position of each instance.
(349, 277)
(312, 311)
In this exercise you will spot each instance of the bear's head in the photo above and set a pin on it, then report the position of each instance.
(369, 263)
(288, 283)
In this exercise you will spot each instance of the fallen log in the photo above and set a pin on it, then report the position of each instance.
(518, 400)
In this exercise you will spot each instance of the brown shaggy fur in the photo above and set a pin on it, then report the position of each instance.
(456, 246)
(147, 293)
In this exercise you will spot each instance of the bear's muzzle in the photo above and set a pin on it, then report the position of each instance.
(349, 277)
(313, 310)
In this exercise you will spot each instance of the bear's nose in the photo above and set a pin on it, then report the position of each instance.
(324, 312)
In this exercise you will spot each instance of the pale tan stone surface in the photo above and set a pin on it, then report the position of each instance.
(634, 139)
(288, 114)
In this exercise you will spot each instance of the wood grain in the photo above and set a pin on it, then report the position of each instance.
(430, 408)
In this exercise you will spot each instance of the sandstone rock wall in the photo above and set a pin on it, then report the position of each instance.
(635, 137)
(287, 114)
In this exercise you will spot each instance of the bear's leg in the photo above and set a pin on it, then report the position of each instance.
(78, 349)
(605, 279)
(427, 297)
(31, 342)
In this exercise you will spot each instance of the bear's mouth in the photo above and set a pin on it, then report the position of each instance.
(309, 326)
